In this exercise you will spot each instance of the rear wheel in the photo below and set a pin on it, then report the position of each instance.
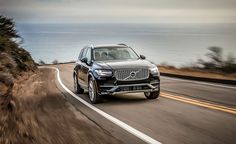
(77, 87)
(152, 95)
(93, 94)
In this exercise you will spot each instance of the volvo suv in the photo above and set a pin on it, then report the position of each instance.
(113, 69)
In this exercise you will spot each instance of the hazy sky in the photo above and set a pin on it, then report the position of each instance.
(165, 11)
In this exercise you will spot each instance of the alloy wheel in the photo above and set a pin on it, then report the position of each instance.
(91, 90)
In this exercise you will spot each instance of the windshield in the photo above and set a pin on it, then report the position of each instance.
(111, 53)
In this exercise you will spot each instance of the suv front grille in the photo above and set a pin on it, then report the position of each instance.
(131, 74)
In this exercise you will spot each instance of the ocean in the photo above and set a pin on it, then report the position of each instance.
(175, 44)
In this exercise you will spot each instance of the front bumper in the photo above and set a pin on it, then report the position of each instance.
(110, 87)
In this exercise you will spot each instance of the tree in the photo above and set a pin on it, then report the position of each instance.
(41, 62)
(12, 48)
(230, 64)
(215, 59)
(215, 56)
(7, 28)
(230, 59)
(55, 62)
(8, 34)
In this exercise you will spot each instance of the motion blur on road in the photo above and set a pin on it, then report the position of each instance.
(187, 111)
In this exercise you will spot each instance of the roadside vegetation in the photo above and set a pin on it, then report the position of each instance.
(213, 66)
(217, 63)
(55, 62)
(14, 61)
(41, 62)
(13, 58)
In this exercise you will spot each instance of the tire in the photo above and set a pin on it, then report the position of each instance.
(152, 95)
(77, 87)
(94, 97)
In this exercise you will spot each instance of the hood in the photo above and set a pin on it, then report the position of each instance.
(124, 64)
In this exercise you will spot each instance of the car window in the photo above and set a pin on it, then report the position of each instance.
(88, 55)
(84, 53)
(80, 54)
(111, 53)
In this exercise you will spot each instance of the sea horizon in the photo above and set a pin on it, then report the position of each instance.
(176, 44)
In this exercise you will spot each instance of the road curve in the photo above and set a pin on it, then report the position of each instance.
(166, 119)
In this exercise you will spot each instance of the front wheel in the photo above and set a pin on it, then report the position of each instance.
(152, 95)
(93, 95)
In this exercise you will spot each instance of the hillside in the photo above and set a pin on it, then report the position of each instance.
(14, 62)
(32, 108)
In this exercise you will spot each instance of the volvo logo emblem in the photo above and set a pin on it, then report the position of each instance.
(132, 74)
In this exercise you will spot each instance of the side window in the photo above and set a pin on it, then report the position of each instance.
(88, 55)
(84, 53)
(80, 54)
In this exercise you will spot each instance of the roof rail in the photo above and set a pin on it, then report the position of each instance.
(122, 44)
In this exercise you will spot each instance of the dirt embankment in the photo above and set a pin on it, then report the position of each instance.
(42, 115)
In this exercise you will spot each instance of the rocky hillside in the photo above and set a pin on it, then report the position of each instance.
(14, 62)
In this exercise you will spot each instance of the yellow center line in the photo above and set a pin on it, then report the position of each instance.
(199, 103)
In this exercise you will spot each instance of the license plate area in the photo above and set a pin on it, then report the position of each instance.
(133, 88)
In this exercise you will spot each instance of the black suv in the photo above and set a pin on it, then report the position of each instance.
(112, 69)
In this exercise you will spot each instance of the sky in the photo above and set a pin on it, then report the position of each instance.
(157, 11)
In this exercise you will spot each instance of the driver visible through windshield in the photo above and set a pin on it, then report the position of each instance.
(111, 53)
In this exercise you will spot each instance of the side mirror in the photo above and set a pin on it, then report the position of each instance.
(142, 57)
(84, 60)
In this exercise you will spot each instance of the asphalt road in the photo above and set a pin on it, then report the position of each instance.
(186, 112)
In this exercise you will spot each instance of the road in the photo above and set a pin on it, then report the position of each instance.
(186, 112)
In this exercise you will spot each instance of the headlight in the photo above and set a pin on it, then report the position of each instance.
(104, 72)
(154, 70)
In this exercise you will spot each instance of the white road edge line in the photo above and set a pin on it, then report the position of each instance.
(116, 121)
(198, 82)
